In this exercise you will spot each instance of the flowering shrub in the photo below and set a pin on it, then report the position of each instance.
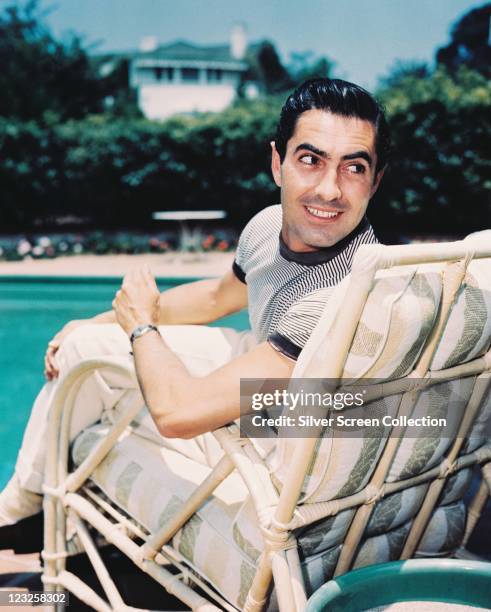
(208, 242)
(101, 243)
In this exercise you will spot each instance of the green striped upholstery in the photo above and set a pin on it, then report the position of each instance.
(222, 541)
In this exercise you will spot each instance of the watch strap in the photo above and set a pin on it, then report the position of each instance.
(141, 330)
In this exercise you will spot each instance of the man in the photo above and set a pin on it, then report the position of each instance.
(328, 158)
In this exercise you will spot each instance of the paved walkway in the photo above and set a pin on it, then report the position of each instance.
(23, 573)
(161, 265)
(16, 570)
(10, 562)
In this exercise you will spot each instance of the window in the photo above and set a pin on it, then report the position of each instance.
(230, 75)
(164, 74)
(214, 75)
(189, 74)
(145, 76)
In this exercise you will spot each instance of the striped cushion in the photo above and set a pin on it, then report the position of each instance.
(223, 541)
(150, 483)
(481, 428)
(392, 330)
(441, 538)
(343, 464)
(394, 325)
(467, 334)
(395, 322)
(416, 454)
(445, 531)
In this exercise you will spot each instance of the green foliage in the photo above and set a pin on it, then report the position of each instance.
(439, 177)
(265, 68)
(120, 100)
(273, 77)
(409, 85)
(404, 72)
(438, 180)
(115, 168)
(469, 44)
(305, 66)
(117, 172)
(43, 75)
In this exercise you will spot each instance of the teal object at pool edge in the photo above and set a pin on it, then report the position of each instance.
(450, 581)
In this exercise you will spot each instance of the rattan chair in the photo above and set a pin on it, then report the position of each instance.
(274, 518)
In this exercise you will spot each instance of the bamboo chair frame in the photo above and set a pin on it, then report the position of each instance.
(67, 497)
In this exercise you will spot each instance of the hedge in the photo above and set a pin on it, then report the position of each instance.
(113, 172)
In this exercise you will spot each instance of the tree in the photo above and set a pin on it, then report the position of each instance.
(405, 87)
(470, 43)
(104, 168)
(441, 131)
(304, 66)
(402, 71)
(438, 178)
(40, 74)
(265, 68)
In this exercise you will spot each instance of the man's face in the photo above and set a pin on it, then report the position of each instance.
(327, 178)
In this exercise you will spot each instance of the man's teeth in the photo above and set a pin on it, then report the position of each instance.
(322, 213)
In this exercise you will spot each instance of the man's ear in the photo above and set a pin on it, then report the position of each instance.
(376, 182)
(275, 164)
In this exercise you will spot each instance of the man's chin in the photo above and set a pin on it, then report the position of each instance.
(313, 239)
(316, 242)
(316, 238)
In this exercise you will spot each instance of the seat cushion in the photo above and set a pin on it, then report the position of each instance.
(468, 330)
(222, 540)
(391, 333)
(150, 482)
(441, 538)
(392, 329)
(395, 322)
(444, 532)
(390, 336)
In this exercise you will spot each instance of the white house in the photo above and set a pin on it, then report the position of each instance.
(184, 77)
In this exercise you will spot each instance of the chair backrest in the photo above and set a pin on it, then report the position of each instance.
(418, 314)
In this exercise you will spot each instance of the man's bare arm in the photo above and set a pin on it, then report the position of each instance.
(203, 301)
(183, 405)
(198, 302)
(191, 303)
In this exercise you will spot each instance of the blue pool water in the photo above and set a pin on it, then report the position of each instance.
(32, 310)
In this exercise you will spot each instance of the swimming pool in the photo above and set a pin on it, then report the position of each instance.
(32, 310)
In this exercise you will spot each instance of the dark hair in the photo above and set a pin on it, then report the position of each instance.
(337, 97)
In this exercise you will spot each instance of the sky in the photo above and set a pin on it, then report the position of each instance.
(363, 37)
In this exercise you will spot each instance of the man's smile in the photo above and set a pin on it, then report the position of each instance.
(322, 215)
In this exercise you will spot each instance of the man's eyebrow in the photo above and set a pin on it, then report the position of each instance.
(363, 154)
(305, 146)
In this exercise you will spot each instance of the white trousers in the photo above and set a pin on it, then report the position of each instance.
(202, 349)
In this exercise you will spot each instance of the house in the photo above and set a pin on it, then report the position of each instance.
(185, 77)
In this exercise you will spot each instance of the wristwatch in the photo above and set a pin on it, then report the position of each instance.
(141, 330)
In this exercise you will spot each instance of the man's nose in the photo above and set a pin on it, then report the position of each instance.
(328, 186)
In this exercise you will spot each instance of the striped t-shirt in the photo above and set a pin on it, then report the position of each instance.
(287, 291)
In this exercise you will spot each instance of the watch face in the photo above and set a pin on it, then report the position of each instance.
(140, 330)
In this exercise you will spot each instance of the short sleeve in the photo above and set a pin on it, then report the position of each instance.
(244, 248)
(296, 326)
(239, 273)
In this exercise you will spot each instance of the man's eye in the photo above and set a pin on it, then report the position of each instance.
(357, 168)
(309, 160)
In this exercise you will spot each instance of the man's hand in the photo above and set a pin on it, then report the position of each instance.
(137, 302)
(50, 366)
